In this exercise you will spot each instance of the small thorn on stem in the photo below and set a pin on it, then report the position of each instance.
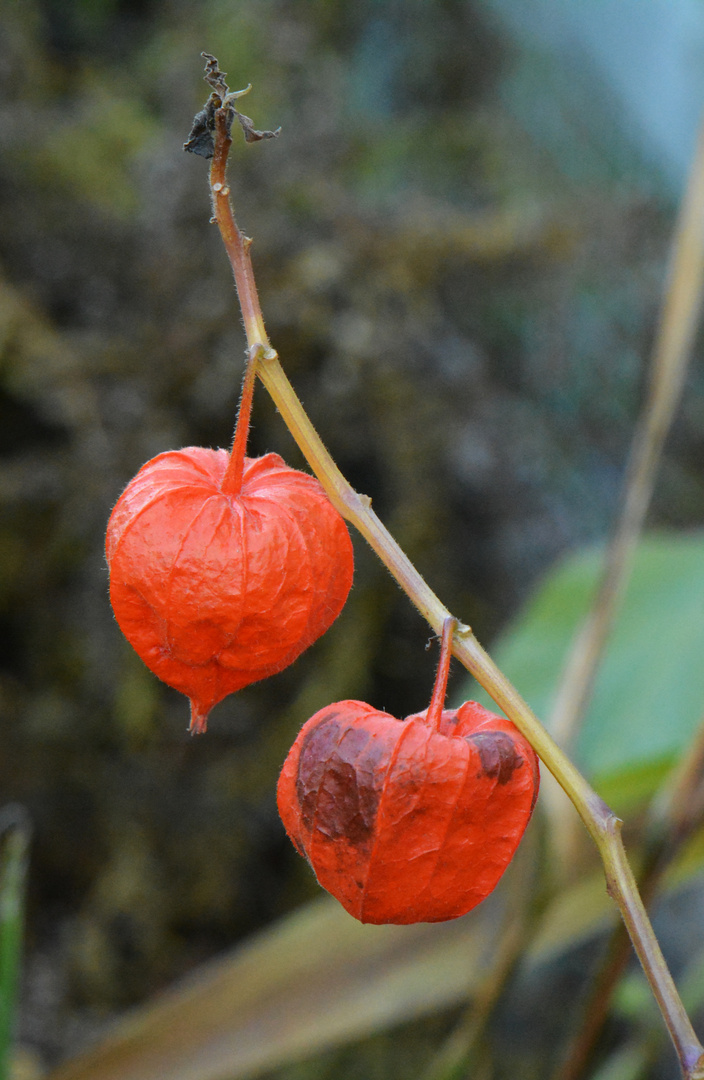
(437, 701)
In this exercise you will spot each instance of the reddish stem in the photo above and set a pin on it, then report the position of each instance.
(236, 243)
(437, 701)
(232, 480)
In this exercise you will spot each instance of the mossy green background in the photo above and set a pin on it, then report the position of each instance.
(466, 308)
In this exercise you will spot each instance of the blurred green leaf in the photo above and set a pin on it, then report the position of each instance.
(628, 790)
(628, 1063)
(94, 151)
(15, 833)
(634, 999)
(649, 695)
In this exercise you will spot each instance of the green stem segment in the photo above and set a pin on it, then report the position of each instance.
(674, 815)
(601, 823)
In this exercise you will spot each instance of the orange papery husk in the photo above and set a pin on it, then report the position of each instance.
(403, 822)
(215, 591)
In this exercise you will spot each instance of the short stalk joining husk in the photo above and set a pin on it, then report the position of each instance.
(437, 701)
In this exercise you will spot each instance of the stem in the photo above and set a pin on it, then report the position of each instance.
(236, 243)
(598, 1005)
(232, 480)
(674, 815)
(437, 701)
(601, 823)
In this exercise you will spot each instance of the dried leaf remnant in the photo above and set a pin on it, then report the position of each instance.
(201, 138)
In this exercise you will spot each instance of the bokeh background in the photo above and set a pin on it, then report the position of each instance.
(460, 245)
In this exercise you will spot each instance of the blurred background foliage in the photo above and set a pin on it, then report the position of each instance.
(460, 242)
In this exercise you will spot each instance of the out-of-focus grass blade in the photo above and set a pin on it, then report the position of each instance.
(315, 980)
(319, 979)
(14, 847)
(574, 915)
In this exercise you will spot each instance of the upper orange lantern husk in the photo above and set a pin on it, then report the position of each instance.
(213, 590)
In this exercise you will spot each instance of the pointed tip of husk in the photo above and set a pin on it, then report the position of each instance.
(199, 719)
